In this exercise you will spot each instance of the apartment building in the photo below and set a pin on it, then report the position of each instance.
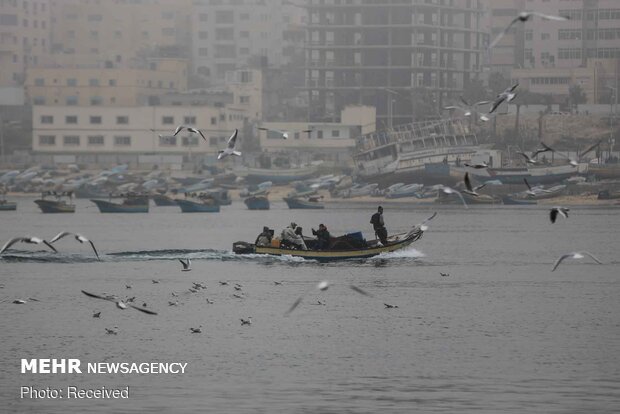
(24, 43)
(395, 55)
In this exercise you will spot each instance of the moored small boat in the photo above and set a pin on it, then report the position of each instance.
(309, 203)
(199, 206)
(162, 200)
(257, 203)
(7, 205)
(130, 204)
(59, 205)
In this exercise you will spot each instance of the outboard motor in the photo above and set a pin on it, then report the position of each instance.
(242, 247)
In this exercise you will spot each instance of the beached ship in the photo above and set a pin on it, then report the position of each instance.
(130, 204)
(202, 203)
(310, 203)
(162, 200)
(60, 204)
(7, 205)
(277, 176)
(544, 174)
(340, 251)
(257, 202)
(420, 152)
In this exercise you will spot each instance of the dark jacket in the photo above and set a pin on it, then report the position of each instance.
(377, 221)
(321, 234)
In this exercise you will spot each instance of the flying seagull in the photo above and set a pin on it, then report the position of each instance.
(523, 17)
(590, 148)
(477, 166)
(420, 226)
(247, 321)
(179, 129)
(230, 149)
(468, 109)
(574, 255)
(285, 134)
(508, 95)
(196, 330)
(531, 192)
(449, 191)
(119, 303)
(469, 190)
(196, 131)
(555, 211)
(544, 148)
(27, 239)
(528, 159)
(187, 265)
(444, 274)
(323, 286)
(78, 237)
(388, 306)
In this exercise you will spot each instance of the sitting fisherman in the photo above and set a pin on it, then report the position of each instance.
(322, 237)
(264, 239)
(291, 236)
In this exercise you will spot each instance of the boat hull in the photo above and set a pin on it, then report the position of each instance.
(330, 255)
(257, 203)
(534, 176)
(8, 206)
(50, 206)
(188, 206)
(164, 201)
(276, 176)
(295, 203)
(109, 207)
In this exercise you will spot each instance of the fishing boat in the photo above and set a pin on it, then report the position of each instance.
(162, 200)
(130, 204)
(308, 203)
(202, 203)
(58, 205)
(257, 202)
(7, 205)
(339, 251)
(279, 176)
(221, 196)
(534, 175)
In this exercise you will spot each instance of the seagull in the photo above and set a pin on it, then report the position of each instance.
(223, 283)
(388, 306)
(469, 190)
(277, 283)
(196, 330)
(247, 321)
(528, 159)
(508, 95)
(237, 287)
(468, 109)
(26, 239)
(590, 148)
(230, 149)
(187, 265)
(19, 301)
(196, 131)
(179, 129)
(237, 296)
(127, 286)
(119, 303)
(323, 286)
(111, 331)
(531, 192)
(555, 211)
(78, 237)
(523, 17)
(544, 148)
(574, 255)
(477, 166)
(285, 134)
(155, 281)
(97, 315)
(448, 190)
(420, 226)
(209, 301)
(444, 274)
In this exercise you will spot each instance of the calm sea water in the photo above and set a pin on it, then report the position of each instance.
(502, 333)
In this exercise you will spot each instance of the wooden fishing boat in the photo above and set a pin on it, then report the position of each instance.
(340, 251)
(130, 204)
(162, 200)
(299, 203)
(7, 205)
(257, 203)
(59, 205)
(199, 205)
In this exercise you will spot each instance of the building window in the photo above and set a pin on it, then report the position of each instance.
(95, 119)
(47, 140)
(71, 100)
(224, 16)
(122, 141)
(190, 141)
(335, 133)
(112, 82)
(96, 100)
(95, 140)
(94, 18)
(244, 99)
(71, 82)
(569, 53)
(39, 82)
(71, 140)
(203, 51)
(71, 119)
(189, 120)
(544, 36)
(213, 120)
(167, 141)
(244, 50)
(203, 35)
(38, 100)
(167, 120)
(47, 119)
(122, 120)
(319, 134)
(93, 82)
(167, 31)
(244, 16)
(203, 17)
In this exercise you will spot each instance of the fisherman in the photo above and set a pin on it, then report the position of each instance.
(264, 239)
(322, 237)
(377, 223)
(293, 236)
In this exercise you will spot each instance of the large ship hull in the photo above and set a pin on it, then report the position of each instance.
(533, 175)
(188, 206)
(50, 206)
(296, 203)
(109, 207)
(8, 206)
(257, 203)
(259, 175)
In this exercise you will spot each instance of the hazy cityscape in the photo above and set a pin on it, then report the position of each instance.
(477, 136)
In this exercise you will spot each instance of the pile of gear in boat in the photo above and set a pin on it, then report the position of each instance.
(292, 237)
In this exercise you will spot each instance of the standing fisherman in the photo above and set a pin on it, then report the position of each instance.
(379, 226)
